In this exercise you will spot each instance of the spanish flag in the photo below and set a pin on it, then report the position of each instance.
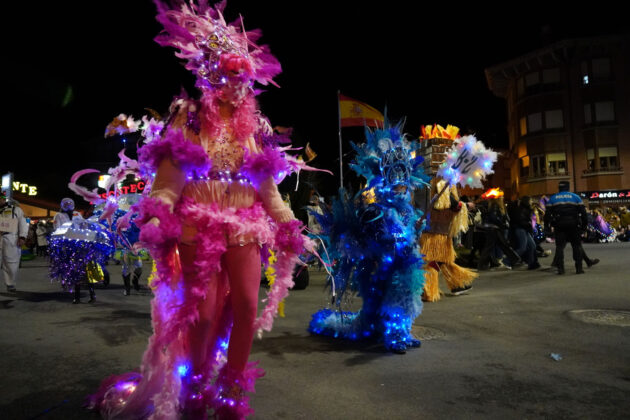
(354, 113)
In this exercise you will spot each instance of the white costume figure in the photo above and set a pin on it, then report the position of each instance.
(13, 228)
(65, 214)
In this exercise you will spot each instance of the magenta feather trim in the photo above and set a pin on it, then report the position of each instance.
(290, 243)
(289, 237)
(187, 155)
(159, 391)
(87, 195)
(229, 406)
(245, 120)
(271, 162)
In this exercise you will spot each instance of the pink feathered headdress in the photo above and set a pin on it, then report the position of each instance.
(213, 49)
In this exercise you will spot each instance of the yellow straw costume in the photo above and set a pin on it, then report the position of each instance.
(439, 252)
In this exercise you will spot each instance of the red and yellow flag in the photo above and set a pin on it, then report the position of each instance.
(356, 113)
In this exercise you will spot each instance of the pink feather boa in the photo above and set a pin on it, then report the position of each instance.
(160, 393)
(290, 243)
(187, 155)
(245, 119)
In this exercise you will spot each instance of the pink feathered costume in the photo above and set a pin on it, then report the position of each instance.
(214, 205)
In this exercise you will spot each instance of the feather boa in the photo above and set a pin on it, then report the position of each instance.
(90, 196)
(174, 309)
(191, 157)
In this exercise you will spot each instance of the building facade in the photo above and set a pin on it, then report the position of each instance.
(568, 115)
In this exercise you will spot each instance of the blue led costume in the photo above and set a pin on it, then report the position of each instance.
(374, 243)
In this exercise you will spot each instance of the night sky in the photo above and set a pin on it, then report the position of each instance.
(73, 66)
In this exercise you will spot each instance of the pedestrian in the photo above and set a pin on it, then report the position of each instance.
(13, 228)
(566, 214)
(42, 240)
(522, 230)
(495, 225)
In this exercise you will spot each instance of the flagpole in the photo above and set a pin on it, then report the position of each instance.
(340, 142)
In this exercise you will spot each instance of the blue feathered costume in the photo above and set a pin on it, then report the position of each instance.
(372, 240)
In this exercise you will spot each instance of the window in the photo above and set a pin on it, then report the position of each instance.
(553, 119)
(590, 160)
(524, 166)
(557, 163)
(608, 158)
(523, 126)
(532, 79)
(605, 111)
(585, 73)
(520, 86)
(534, 122)
(588, 118)
(538, 166)
(595, 69)
(551, 76)
(601, 68)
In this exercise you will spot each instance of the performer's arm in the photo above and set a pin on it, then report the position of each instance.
(168, 184)
(272, 201)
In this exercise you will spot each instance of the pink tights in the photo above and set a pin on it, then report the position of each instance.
(241, 265)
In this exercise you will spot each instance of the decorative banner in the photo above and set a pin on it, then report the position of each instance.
(468, 162)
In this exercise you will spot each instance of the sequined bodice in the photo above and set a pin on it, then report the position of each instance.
(225, 152)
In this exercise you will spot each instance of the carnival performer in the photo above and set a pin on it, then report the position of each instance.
(78, 249)
(447, 217)
(13, 229)
(213, 204)
(373, 240)
(467, 162)
(65, 214)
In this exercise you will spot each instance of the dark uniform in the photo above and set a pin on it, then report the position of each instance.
(566, 214)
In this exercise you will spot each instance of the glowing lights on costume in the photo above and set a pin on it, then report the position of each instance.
(468, 162)
(373, 242)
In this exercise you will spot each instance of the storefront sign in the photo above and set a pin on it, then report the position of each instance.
(135, 188)
(24, 188)
(622, 195)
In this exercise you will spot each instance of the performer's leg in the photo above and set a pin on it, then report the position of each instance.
(77, 293)
(243, 269)
(199, 333)
(126, 273)
(457, 277)
(431, 285)
(137, 272)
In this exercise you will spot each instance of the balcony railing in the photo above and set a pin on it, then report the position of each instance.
(545, 176)
(614, 170)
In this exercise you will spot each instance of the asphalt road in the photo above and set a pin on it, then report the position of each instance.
(485, 355)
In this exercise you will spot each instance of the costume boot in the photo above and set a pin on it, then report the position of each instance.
(77, 294)
(127, 281)
(232, 401)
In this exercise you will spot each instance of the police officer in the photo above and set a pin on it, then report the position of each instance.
(13, 228)
(566, 214)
